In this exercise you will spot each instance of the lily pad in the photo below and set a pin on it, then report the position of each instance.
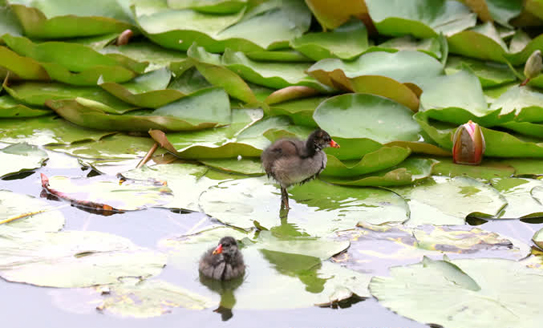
(487, 170)
(448, 201)
(23, 67)
(45, 130)
(75, 259)
(300, 111)
(490, 74)
(376, 248)
(481, 42)
(524, 102)
(32, 214)
(431, 46)
(346, 42)
(420, 18)
(209, 6)
(19, 158)
(10, 108)
(497, 10)
(332, 14)
(248, 166)
(8, 21)
(470, 293)
(317, 208)
(518, 194)
(107, 194)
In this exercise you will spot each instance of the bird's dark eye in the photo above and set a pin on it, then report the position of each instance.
(225, 245)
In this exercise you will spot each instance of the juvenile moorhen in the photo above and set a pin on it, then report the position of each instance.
(224, 262)
(292, 161)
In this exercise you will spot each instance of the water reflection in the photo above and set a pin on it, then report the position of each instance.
(225, 288)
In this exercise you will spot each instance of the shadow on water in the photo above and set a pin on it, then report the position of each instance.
(226, 290)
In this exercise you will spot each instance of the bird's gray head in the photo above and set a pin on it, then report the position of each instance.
(320, 139)
(228, 247)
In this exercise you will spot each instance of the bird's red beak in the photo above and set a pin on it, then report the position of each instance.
(334, 144)
(218, 250)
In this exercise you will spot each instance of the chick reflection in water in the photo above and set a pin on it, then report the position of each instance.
(222, 270)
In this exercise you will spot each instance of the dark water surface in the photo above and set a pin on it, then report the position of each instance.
(23, 306)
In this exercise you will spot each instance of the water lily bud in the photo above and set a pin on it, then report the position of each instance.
(468, 144)
(533, 66)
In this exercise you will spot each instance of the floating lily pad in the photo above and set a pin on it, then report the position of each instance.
(470, 292)
(248, 166)
(518, 194)
(32, 214)
(332, 14)
(497, 10)
(421, 18)
(346, 42)
(23, 67)
(448, 201)
(108, 194)
(487, 170)
(376, 248)
(149, 298)
(317, 208)
(8, 21)
(21, 157)
(10, 108)
(45, 130)
(431, 46)
(209, 6)
(300, 111)
(490, 74)
(525, 166)
(524, 102)
(481, 42)
(75, 259)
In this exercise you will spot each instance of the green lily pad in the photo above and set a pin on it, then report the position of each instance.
(75, 259)
(524, 102)
(520, 54)
(525, 166)
(33, 214)
(317, 208)
(300, 111)
(481, 42)
(37, 93)
(108, 194)
(209, 6)
(23, 67)
(149, 298)
(538, 238)
(66, 19)
(430, 46)
(276, 75)
(10, 108)
(209, 65)
(487, 170)
(405, 173)
(19, 158)
(375, 161)
(518, 194)
(448, 201)
(346, 42)
(45, 130)
(282, 55)
(8, 21)
(312, 281)
(247, 166)
(376, 248)
(490, 74)
(332, 14)
(148, 90)
(420, 18)
(497, 10)
(500, 298)
(384, 120)
(191, 80)
(182, 115)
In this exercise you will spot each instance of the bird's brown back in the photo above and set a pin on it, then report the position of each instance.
(282, 148)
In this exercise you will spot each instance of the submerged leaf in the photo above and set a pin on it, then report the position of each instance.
(20, 157)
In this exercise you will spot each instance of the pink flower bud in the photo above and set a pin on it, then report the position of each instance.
(468, 144)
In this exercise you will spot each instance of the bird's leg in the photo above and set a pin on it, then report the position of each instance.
(284, 198)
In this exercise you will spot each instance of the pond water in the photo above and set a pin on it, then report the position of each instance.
(28, 306)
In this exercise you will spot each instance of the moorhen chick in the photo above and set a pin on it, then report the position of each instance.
(225, 262)
(293, 161)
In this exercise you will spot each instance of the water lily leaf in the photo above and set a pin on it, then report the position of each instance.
(45, 130)
(10, 108)
(37, 93)
(8, 21)
(375, 161)
(117, 146)
(403, 66)
(332, 14)
(538, 238)
(346, 42)
(282, 55)
(209, 6)
(241, 138)
(487, 170)
(23, 67)
(290, 93)
(157, 56)
(108, 194)
(300, 111)
(311, 280)
(525, 166)
(191, 80)
(518, 194)
(490, 74)
(421, 18)
(186, 182)
(33, 214)
(276, 75)
(407, 172)
(247, 166)
(149, 298)
(75, 259)
(497, 10)
(21, 157)
(523, 51)
(501, 298)
(481, 42)
(65, 19)
(464, 196)
(430, 46)
(182, 115)
(148, 90)
(331, 207)
(340, 116)
(209, 65)
(376, 248)
(525, 102)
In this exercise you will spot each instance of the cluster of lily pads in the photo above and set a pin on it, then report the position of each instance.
(214, 83)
